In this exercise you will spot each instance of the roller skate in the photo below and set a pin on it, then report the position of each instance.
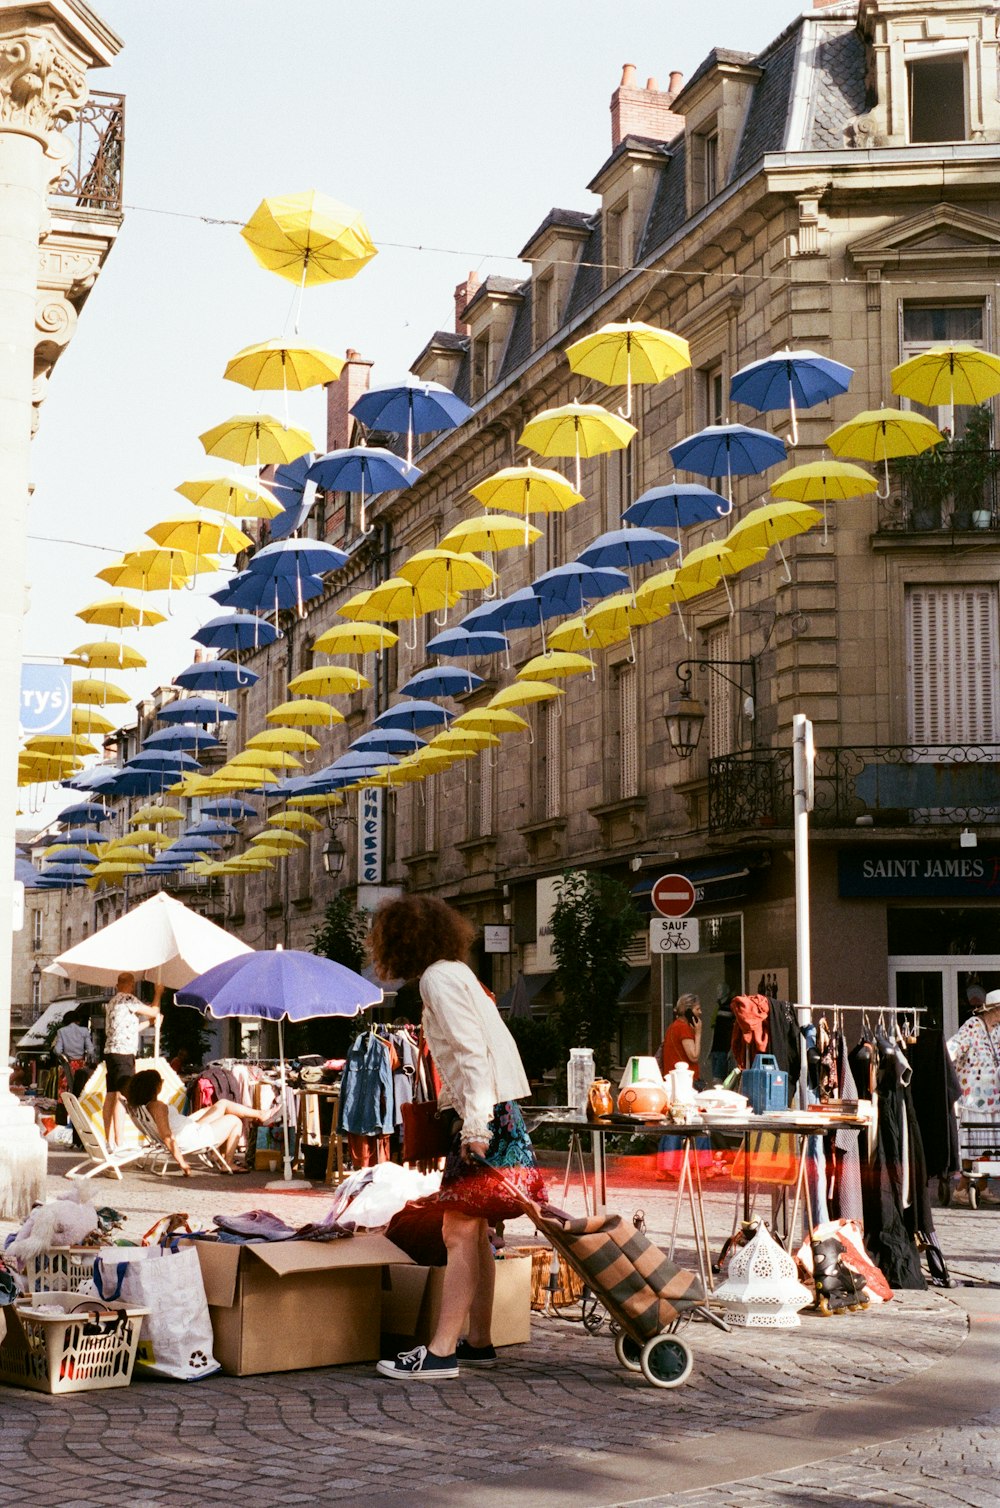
(838, 1289)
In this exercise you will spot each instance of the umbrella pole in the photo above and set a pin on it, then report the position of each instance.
(284, 1102)
(302, 289)
(626, 412)
(826, 535)
(578, 462)
(784, 561)
(793, 438)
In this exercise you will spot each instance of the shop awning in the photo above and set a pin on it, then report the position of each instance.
(713, 879)
(633, 983)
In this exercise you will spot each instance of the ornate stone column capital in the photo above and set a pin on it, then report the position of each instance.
(43, 79)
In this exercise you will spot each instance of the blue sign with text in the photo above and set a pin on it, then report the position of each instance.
(46, 700)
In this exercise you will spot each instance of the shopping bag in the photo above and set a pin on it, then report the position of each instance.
(774, 1158)
(176, 1338)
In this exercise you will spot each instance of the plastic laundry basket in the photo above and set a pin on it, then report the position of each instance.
(52, 1349)
(60, 1269)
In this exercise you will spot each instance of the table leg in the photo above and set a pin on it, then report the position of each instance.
(681, 1182)
(600, 1172)
(700, 1231)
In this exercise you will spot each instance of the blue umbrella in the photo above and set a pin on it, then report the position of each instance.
(235, 631)
(196, 709)
(25, 872)
(98, 779)
(84, 835)
(192, 843)
(413, 407)
(290, 557)
(228, 806)
(215, 675)
(352, 764)
(367, 469)
(388, 741)
(280, 986)
(677, 507)
(267, 593)
(522, 609)
(444, 680)
(457, 643)
(568, 587)
(792, 380)
(183, 736)
(140, 782)
(627, 548)
(214, 827)
(294, 494)
(173, 761)
(55, 882)
(728, 450)
(85, 811)
(71, 854)
(413, 715)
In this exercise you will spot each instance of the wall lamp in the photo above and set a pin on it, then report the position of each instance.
(686, 715)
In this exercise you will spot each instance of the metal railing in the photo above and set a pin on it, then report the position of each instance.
(92, 177)
(890, 785)
(950, 492)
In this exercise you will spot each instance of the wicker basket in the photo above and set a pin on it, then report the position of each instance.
(61, 1269)
(569, 1285)
(67, 1352)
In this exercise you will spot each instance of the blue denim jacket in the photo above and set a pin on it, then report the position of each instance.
(366, 1098)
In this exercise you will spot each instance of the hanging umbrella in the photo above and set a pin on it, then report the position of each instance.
(294, 739)
(667, 589)
(489, 534)
(196, 709)
(492, 720)
(196, 534)
(147, 814)
(267, 593)
(279, 839)
(307, 713)
(307, 556)
(118, 612)
(614, 619)
(86, 837)
(88, 720)
(185, 737)
(387, 741)
(820, 481)
(296, 821)
(728, 450)
(573, 636)
(559, 664)
(355, 639)
(228, 806)
(71, 853)
(409, 408)
(770, 524)
(215, 675)
(527, 489)
(365, 469)
(883, 434)
(716, 561)
(160, 938)
(212, 827)
(445, 680)
(464, 741)
(70, 743)
(948, 374)
(569, 586)
(677, 507)
(170, 760)
(255, 440)
(156, 570)
(99, 693)
(308, 238)
(263, 759)
(105, 654)
(395, 600)
(458, 643)
(412, 715)
(627, 548)
(628, 353)
(523, 694)
(448, 572)
(577, 429)
(280, 366)
(790, 380)
(236, 631)
(295, 494)
(238, 497)
(281, 986)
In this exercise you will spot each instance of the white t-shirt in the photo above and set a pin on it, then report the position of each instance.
(122, 1025)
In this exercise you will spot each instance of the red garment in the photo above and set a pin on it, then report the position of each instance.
(678, 1032)
(751, 1027)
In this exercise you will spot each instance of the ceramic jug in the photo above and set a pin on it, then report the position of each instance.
(599, 1100)
(680, 1085)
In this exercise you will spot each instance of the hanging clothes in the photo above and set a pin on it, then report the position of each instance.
(936, 1087)
(366, 1090)
(889, 1178)
(844, 1187)
(751, 1015)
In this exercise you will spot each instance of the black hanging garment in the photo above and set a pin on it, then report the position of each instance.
(935, 1087)
(886, 1179)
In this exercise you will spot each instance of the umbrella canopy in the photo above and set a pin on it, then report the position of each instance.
(327, 680)
(577, 429)
(147, 814)
(447, 571)
(296, 821)
(409, 408)
(307, 713)
(412, 715)
(490, 534)
(157, 570)
(160, 938)
(88, 692)
(457, 643)
(948, 374)
(527, 489)
(84, 835)
(228, 806)
(621, 354)
(569, 586)
(308, 238)
(197, 534)
(280, 839)
(118, 612)
(728, 450)
(820, 481)
(883, 434)
(171, 760)
(717, 561)
(355, 639)
(255, 440)
(523, 694)
(677, 507)
(295, 739)
(522, 609)
(105, 654)
(365, 469)
(770, 524)
(70, 743)
(196, 709)
(89, 720)
(215, 675)
(211, 827)
(790, 380)
(268, 593)
(627, 548)
(235, 631)
(294, 493)
(278, 366)
(239, 497)
(447, 680)
(395, 600)
(558, 664)
(303, 556)
(491, 720)
(387, 741)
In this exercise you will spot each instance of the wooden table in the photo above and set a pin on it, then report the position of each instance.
(335, 1171)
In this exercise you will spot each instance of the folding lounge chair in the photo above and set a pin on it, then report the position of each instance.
(164, 1161)
(100, 1159)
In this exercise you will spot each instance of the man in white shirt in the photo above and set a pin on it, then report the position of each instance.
(124, 1017)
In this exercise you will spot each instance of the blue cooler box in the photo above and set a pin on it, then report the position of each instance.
(765, 1085)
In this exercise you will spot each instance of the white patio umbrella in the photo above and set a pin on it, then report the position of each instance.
(161, 939)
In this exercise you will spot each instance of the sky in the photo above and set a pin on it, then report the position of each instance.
(453, 127)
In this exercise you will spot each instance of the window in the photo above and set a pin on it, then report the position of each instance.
(922, 326)
(937, 97)
(480, 364)
(616, 247)
(710, 164)
(623, 743)
(554, 528)
(710, 394)
(543, 296)
(36, 988)
(548, 784)
(425, 815)
(952, 671)
(37, 922)
(617, 485)
(480, 795)
(721, 721)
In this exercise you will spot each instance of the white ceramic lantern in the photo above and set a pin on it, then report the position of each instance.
(762, 1287)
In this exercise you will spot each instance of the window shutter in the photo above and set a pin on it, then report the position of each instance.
(720, 703)
(628, 717)
(485, 794)
(952, 669)
(552, 772)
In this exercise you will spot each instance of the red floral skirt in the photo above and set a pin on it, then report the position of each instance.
(471, 1189)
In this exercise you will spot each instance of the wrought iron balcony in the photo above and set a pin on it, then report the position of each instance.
(891, 785)
(946, 491)
(92, 177)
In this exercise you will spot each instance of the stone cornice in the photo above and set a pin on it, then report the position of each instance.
(43, 78)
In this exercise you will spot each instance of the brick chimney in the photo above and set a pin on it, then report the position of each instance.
(464, 294)
(341, 396)
(644, 112)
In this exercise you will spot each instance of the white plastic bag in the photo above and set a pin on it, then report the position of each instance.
(176, 1339)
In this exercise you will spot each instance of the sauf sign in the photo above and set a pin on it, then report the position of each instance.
(370, 836)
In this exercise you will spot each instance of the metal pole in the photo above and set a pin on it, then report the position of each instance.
(802, 790)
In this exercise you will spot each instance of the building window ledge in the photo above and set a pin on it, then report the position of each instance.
(545, 839)
(478, 853)
(621, 821)
(423, 867)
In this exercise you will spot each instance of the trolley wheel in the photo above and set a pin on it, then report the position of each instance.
(973, 1196)
(592, 1312)
(666, 1361)
(944, 1191)
(628, 1352)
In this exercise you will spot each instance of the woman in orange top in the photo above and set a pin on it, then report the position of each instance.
(682, 1043)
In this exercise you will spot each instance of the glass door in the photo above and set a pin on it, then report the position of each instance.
(948, 988)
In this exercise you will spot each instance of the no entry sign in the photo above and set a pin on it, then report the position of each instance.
(673, 895)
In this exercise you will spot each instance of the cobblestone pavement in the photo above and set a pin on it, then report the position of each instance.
(557, 1422)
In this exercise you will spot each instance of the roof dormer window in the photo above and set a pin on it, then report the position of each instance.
(616, 247)
(938, 94)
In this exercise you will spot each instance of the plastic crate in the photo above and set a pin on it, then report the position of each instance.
(68, 1352)
(61, 1269)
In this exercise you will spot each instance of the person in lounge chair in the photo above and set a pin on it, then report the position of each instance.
(220, 1125)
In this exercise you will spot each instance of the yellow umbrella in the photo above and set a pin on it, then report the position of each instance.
(105, 654)
(296, 822)
(102, 873)
(664, 590)
(819, 481)
(305, 714)
(249, 863)
(716, 561)
(327, 680)
(279, 838)
(239, 497)
(55, 848)
(264, 759)
(771, 523)
(147, 814)
(147, 837)
(156, 570)
(86, 720)
(490, 534)
(268, 850)
(308, 238)
(255, 440)
(118, 612)
(881, 434)
(196, 533)
(395, 600)
(523, 693)
(491, 720)
(278, 366)
(621, 611)
(559, 663)
(38, 769)
(573, 636)
(527, 489)
(327, 802)
(97, 693)
(240, 778)
(948, 374)
(449, 572)
(454, 741)
(72, 744)
(283, 738)
(579, 430)
(354, 639)
(628, 353)
(122, 852)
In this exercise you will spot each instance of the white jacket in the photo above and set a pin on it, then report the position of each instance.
(473, 1051)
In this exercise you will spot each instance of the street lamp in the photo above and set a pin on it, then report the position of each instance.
(334, 854)
(686, 715)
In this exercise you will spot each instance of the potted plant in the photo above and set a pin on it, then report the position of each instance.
(974, 464)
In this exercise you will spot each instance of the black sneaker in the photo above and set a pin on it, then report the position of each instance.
(475, 1356)
(420, 1365)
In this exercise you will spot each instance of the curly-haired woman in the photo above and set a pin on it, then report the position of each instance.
(481, 1080)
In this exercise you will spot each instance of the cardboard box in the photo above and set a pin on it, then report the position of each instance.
(280, 1305)
(411, 1302)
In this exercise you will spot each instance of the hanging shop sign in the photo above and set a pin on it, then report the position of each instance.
(496, 939)
(370, 846)
(46, 701)
(890, 873)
